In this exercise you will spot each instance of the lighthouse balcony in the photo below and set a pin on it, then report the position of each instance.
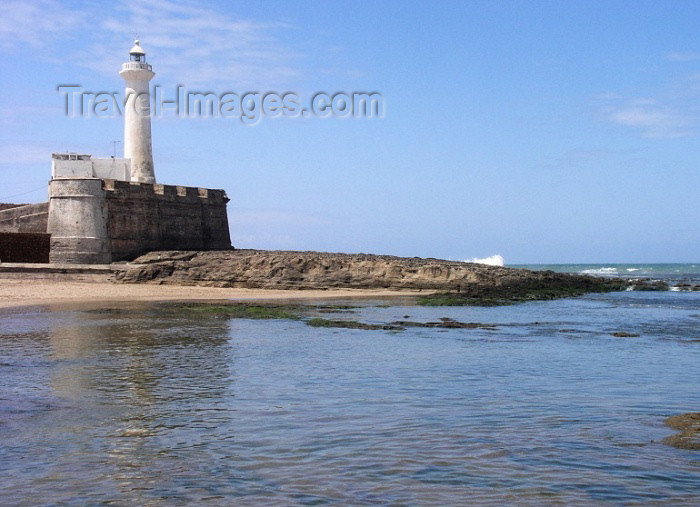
(136, 66)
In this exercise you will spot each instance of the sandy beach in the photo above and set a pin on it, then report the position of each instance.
(28, 292)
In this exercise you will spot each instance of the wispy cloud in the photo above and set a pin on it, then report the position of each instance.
(586, 158)
(651, 118)
(670, 111)
(654, 120)
(676, 56)
(197, 45)
(192, 43)
(37, 24)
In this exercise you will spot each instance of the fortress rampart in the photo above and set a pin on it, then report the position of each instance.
(96, 221)
(26, 218)
(100, 221)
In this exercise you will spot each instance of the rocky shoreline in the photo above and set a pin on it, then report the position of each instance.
(688, 427)
(455, 282)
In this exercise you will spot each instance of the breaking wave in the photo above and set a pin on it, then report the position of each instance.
(600, 271)
(494, 260)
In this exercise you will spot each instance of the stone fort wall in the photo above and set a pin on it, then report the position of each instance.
(24, 217)
(144, 217)
(95, 221)
(98, 221)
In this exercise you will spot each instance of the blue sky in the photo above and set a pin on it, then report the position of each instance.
(543, 131)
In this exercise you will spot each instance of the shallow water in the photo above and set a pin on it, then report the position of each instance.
(140, 406)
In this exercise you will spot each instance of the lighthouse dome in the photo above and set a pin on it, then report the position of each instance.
(137, 49)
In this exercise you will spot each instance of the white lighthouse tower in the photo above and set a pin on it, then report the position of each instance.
(137, 115)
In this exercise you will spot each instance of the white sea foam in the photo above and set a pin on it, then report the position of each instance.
(632, 270)
(494, 260)
(600, 271)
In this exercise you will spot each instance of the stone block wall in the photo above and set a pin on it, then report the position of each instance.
(8, 205)
(78, 221)
(99, 221)
(24, 218)
(24, 247)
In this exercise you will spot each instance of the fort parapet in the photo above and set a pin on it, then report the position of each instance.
(95, 221)
(24, 218)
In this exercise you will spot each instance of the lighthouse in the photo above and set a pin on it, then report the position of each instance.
(137, 115)
(104, 210)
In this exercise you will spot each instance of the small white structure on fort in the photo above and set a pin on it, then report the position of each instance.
(102, 210)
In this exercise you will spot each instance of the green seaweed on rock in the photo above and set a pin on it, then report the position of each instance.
(239, 310)
(351, 324)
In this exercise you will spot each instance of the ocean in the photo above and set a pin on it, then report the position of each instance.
(674, 274)
(538, 403)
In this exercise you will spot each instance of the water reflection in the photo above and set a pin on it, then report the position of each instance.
(142, 405)
(139, 393)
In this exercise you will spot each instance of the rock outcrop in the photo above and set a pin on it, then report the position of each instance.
(688, 426)
(314, 270)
